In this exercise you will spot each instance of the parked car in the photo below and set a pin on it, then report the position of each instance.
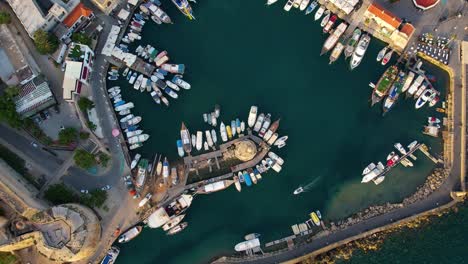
(34, 144)
(84, 191)
(106, 188)
(47, 114)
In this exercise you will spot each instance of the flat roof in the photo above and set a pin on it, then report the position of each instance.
(73, 69)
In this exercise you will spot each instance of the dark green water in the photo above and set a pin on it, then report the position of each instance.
(241, 53)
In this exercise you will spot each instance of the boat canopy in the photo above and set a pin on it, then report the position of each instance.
(249, 244)
(213, 187)
(158, 218)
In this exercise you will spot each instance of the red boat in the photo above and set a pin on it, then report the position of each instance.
(392, 159)
(330, 24)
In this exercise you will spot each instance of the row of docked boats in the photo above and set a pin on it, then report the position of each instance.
(395, 82)
(170, 216)
(299, 4)
(135, 28)
(129, 122)
(376, 172)
(261, 124)
(212, 117)
(432, 127)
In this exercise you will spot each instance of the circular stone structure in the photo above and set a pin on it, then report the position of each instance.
(425, 4)
(245, 150)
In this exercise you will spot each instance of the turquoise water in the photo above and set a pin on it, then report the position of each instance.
(241, 53)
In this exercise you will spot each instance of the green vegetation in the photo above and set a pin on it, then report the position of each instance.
(60, 194)
(92, 126)
(8, 108)
(104, 159)
(68, 135)
(36, 132)
(95, 198)
(84, 159)
(45, 42)
(85, 104)
(18, 164)
(81, 38)
(75, 53)
(84, 135)
(5, 17)
(8, 258)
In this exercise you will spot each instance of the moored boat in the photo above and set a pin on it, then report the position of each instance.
(271, 130)
(177, 229)
(304, 4)
(173, 222)
(222, 130)
(415, 85)
(209, 139)
(237, 183)
(174, 68)
(247, 179)
(177, 79)
(330, 24)
(315, 218)
(336, 52)
(272, 139)
(130, 234)
(259, 122)
(229, 131)
(213, 136)
(387, 57)
(199, 140)
(184, 7)
(319, 13)
(360, 51)
(381, 53)
(141, 174)
(111, 255)
(180, 148)
(394, 92)
(426, 96)
(311, 7)
(265, 126)
(252, 116)
(239, 126)
(334, 37)
(384, 84)
(408, 81)
(352, 42)
(288, 5)
(135, 161)
(325, 18)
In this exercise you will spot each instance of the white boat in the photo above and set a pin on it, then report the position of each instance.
(373, 173)
(247, 245)
(215, 186)
(133, 78)
(214, 121)
(273, 138)
(124, 112)
(199, 140)
(222, 130)
(311, 7)
(172, 85)
(138, 82)
(333, 38)
(134, 133)
(252, 116)
(233, 128)
(155, 97)
(304, 5)
(194, 140)
(319, 13)
(138, 139)
(276, 167)
(144, 82)
(379, 180)
(124, 107)
(275, 158)
(213, 136)
(173, 68)
(206, 146)
(238, 126)
(381, 53)
(360, 51)
(414, 87)
(125, 72)
(298, 190)
(288, 5)
(171, 93)
(368, 169)
(173, 222)
(135, 146)
(126, 118)
(252, 176)
(205, 117)
(281, 140)
(420, 91)
(270, 2)
(177, 79)
(217, 111)
(387, 58)
(162, 60)
(433, 120)
(265, 126)
(135, 161)
(111, 255)
(112, 89)
(237, 183)
(400, 148)
(297, 3)
(242, 127)
(177, 229)
(325, 18)
(135, 120)
(424, 98)
(209, 140)
(145, 200)
(130, 234)
(408, 81)
(259, 122)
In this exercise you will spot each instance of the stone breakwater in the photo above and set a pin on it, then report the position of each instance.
(432, 183)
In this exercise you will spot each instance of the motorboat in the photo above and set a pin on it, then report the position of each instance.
(387, 57)
(222, 130)
(173, 222)
(368, 169)
(130, 234)
(259, 122)
(381, 53)
(265, 125)
(238, 126)
(173, 68)
(275, 158)
(177, 229)
(325, 18)
(252, 116)
(311, 7)
(360, 51)
(424, 98)
(433, 120)
(180, 148)
(304, 5)
(172, 85)
(171, 93)
(319, 13)
(298, 190)
(281, 140)
(134, 133)
(135, 161)
(270, 2)
(213, 136)
(288, 5)
(177, 79)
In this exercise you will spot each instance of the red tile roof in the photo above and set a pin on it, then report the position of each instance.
(79, 11)
(425, 4)
(407, 29)
(385, 15)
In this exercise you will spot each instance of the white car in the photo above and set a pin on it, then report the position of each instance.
(106, 188)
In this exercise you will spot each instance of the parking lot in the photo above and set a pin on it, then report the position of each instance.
(51, 121)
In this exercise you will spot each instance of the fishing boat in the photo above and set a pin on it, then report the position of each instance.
(247, 179)
(180, 148)
(336, 52)
(138, 139)
(141, 174)
(311, 7)
(184, 7)
(259, 122)
(288, 5)
(384, 84)
(319, 13)
(408, 81)
(352, 42)
(272, 139)
(304, 5)
(223, 132)
(394, 92)
(415, 85)
(360, 51)
(173, 222)
(173, 68)
(238, 126)
(325, 19)
(274, 126)
(209, 139)
(111, 255)
(229, 131)
(270, 2)
(199, 140)
(387, 57)
(330, 24)
(298, 190)
(368, 169)
(177, 229)
(334, 37)
(213, 136)
(252, 115)
(381, 53)
(130, 234)
(315, 218)
(424, 98)
(265, 126)
(135, 161)
(177, 79)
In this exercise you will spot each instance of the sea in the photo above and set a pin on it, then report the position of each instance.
(243, 53)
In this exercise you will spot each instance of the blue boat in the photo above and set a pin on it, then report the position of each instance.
(139, 16)
(163, 72)
(247, 179)
(132, 128)
(238, 123)
(394, 93)
(311, 7)
(180, 148)
(119, 103)
(184, 7)
(156, 2)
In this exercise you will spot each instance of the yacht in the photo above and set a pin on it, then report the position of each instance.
(359, 52)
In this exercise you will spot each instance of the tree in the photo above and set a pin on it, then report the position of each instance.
(81, 38)
(85, 104)
(92, 126)
(84, 135)
(60, 194)
(95, 198)
(45, 42)
(104, 159)
(68, 135)
(84, 159)
(5, 17)
(8, 108)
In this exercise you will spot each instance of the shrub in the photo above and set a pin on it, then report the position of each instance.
(85, 104)
(95, 198)
(104, 159)
(60, 194)
(84, 159)
(5, 17)
(84, 135)
(68, 135)
(45, 42)
(81, 38)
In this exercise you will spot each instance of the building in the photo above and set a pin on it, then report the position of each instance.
(41, 14)
(106, 6)
(34, 97)
(16, 67)
(77, 20)
(343, 6)
(387, 27)
(425, 4)
(78, 66)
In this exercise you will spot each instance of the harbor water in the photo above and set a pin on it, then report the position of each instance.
(242, 53)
